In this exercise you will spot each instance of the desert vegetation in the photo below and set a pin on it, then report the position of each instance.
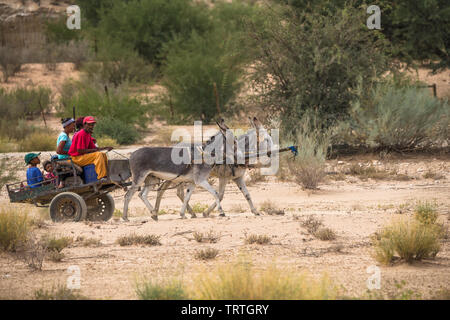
(367, 186)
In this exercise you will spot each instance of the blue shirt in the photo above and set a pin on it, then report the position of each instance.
(34, 175)
(64, 137)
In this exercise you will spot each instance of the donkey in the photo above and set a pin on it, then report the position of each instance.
(226, 172)
(149, 165)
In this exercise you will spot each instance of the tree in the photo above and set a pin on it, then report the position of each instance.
(308, 61)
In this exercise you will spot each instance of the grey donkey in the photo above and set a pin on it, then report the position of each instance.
(226, 172)
(149, 165)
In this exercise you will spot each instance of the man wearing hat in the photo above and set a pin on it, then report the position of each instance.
(84, 151)
(34, 175)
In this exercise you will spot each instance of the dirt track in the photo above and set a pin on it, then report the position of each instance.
(354, 209)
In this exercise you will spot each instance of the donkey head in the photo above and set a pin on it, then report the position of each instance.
(265, 142)
(223, 142)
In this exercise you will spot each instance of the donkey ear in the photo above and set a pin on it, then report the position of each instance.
(257, 123)
(251, 122)
(221, 126)
(222, 122)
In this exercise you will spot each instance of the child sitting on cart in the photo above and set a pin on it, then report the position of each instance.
(34, 175)
(49, 176)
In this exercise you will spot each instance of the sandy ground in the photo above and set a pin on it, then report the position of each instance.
(354, 209)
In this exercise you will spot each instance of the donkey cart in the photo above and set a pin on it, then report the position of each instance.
(81, 198)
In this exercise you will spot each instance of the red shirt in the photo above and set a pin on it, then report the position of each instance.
(82, 140)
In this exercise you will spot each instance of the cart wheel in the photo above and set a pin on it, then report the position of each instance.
(101, 208)
(68, 206)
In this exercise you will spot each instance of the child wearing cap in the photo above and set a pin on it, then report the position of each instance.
(34, 175)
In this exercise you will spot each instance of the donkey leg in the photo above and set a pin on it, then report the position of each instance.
(222, 185)
(180, 194)
(204, 184)
(241, 185)
(127, 200)
(143, 195)
(159, 195)
(190, 190)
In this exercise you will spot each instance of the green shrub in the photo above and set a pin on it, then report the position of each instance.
(425, 212)
(115, 64)
(307, 55)
(399, 119)
(117, 111)
(408, 239)
(56, 31)
(168, 290)
(118, 130)
(145, 25)
(11, 60)
(202, 75)
(24, 102)
(199, 208)
(308, 167)
(93, 99)
(14, 228)
(38, 141)
(107, 141)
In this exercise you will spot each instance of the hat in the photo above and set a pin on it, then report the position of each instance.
(67, 122)
(31, 156)
(89, 119)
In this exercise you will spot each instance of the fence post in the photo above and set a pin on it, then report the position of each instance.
(434, 89)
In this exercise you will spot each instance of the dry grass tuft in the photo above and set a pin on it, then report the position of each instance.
(315, 228)
(150, 240)
(59, 292)
(433, 175)
(39, 141)
(206, 254)
(240, 281)
(365, 173)
(259, 239)
(311, 224)
(270, 208)
(164, 290)
(199, 208)
(425, 212)
(325, 234)
(408, 240)
(210, 237)
(89, 242)
(55, 256)
(57, 244)
(15, 228)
